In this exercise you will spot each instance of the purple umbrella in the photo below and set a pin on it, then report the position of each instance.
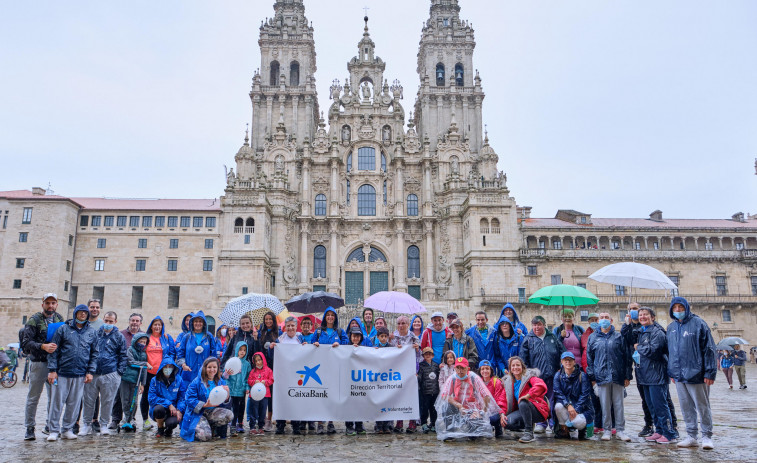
(394, 302)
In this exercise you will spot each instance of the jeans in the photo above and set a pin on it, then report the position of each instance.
(550, 398)
(67, 393)
(256, 411)
(427, 408)
(695, 399)
(523, 418)
(657, 401)
(37, 380)
(728, 372)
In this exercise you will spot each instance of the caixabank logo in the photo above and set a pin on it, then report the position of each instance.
(308, 375)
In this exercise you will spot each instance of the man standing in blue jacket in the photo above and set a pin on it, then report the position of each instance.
(480, 334)
(692, 365)
(71, 366)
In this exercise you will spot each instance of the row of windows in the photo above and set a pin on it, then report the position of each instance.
(366, 201)
(636, 246)
(375, 255)
(147, 221)
(294, 73)
(486, 229)
(23, 237)
(173, 243)
(440, 75)
(141, 265)
(366, 159)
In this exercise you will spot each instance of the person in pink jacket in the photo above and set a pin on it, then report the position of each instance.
(260, 374)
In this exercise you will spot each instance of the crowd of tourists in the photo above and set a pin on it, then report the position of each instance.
(569, 382)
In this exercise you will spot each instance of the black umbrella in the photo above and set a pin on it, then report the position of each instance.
(315, 302)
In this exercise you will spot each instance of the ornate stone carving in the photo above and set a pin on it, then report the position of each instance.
(321, 185)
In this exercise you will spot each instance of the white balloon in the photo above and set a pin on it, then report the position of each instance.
(234, 364)
(199, 350)
(257, 392)
(217, 396)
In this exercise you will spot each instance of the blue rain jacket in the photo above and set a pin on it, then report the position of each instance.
(574, 390)
(337, 335)
(653, 356)
(499, 349)
(112, 347)
(187, 352)
(196, 396)
(77, 351)
(167, 391)
(542, 354)
(517, 323)
(607, 359)
(691, 349)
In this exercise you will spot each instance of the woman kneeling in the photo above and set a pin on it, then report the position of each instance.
(201, 417)
(525, 399)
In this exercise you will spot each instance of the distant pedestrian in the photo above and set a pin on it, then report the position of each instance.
(726, 364)
(739, 360)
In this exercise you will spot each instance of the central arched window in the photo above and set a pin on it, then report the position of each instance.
(319, 262)
(440, 75)
(366, 158)
(412, 205)
(376, 255)
(459, 81)
(366, 200)
(294, 74)
(357, 255)
(413, 262)
(274, 73)
(320, 204)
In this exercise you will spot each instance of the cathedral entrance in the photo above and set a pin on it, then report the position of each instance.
(365, 263)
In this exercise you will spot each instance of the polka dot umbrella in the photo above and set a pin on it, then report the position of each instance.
(256, 305)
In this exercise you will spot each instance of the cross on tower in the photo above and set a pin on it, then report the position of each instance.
(365, 8)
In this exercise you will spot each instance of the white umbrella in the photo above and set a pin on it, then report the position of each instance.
(633, 275)
(257, 305)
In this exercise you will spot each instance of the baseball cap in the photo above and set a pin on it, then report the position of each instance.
(593, 315)
(484, 363)
(567, 355)
(437, 314)
(456, 322)
(356, 330)
(427, 350)
(48, 296)
(461, 362)
(452, 314)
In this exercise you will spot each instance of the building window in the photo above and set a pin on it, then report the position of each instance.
(675, 280)
(620, 290)
(142, 243)
(376, 256)
(172, 265)
(141, 264)
(720, 286)
(147, 221)
(708, 246)
(197, 222)
(348, 191)
(5, 224)
(521, 295)
(384, 192)
(319, 262)
(556, 244)
(210, 222)
(637, 246)
(294, 74)
(101, 243)
(68, 265)
(495, 226)
(99, 265)
(366, 158)
(121, 221)
(273, 282)
(98, 292)
(320, 205)
(484, 226)
(415, 291)
(173, 297)
(622, 314)
(583, 219)
(413, 262)
(726, 315)
(134, 221)
(615, 245)
(20, 263)
(27, 217)
(356, 255)
(459, 75)
(754, 286)
(16, 284)
(246, 239)
(185, 221)
(581, 285)
(84, 221)
(245, 290)
(412, 205)
(209, 243)
(109, 220)
(173, 243)
(349, 161)
(440, 75)
(173, 221)
(366, 200)
(531, 270)
(160, 221)
(556, 279)
(70, 240)
(383, 161)
(207, 265)
(136, 296)
(656, 245)
(23, 237)
(65, 286)
(739, 246)
(96, 220)
(584, 315)
(274, 74)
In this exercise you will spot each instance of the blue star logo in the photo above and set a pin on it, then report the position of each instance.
(308, 373)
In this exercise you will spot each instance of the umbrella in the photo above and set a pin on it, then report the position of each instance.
(563, 295)
(394, 302)
(633, 275)
(723, 346)
(733, 340)
(256, 305)
(14, 345)
(315, 302)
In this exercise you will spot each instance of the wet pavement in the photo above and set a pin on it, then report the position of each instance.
(734, 414)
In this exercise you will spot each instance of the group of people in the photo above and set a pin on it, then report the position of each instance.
(475, 382)
(730, 360)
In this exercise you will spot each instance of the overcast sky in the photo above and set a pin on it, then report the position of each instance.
(615, 108)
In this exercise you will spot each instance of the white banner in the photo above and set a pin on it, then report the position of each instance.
(344, 383)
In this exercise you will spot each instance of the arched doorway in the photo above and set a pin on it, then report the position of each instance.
(366, 272)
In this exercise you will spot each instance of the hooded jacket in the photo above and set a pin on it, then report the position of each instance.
(167, 390)
(337, 335)
(136, 362)
(187, 353)
(35, 334)
(427, 340)
(166, 341)
(653, 356)
(365, 342)
(468, 351)
(77, 351)
(238, 382)
(517, 323)
(500, 349)
(423, 325)
(222, 341)
(261, 375)
(497, 389)
(184, 329)
(691, 349)
(531, 384)
(607, 359)
(574, 390)
(482, 342)
(542, 354)
(428, 377)
(369, 334)
(112, 348)
(245, 336)
(308, 338)
(195, 397)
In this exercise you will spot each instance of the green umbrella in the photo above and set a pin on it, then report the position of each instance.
(563, 295)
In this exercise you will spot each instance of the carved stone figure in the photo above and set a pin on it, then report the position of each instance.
(346, 133)
(230, 177)
(386, 134)
(366, 89)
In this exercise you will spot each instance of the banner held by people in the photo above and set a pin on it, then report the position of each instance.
(344, 383)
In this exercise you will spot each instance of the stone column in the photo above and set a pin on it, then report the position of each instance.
(295, 125)
(304, 232)
(334, 199)
(333, 285)
(430, 258)
(426, 188)
(306, 199)
(399, 190)
(401, 270)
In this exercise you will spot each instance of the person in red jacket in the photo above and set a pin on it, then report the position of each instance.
(260, 374)
(497, 390)
(525, 402)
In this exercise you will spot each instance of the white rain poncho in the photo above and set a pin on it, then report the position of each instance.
(471, 418)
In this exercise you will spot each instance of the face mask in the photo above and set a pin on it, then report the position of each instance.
(140, 346)
(604, 324)
(80, 322)
(461, 377)
(167, 371)
(636, 358)
(634, 315)
(223, 332)
(679, 315)
(108, 326)
(594, 326)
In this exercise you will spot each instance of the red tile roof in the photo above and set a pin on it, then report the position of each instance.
(640, 223)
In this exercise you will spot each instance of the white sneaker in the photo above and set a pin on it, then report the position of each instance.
(688, 442)
(539, 429)
(85, 430)
(622, 436)
(607, 435)
(147, 425)
(52, 437)
(707, 443)
(69, 435)
(104, 431)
